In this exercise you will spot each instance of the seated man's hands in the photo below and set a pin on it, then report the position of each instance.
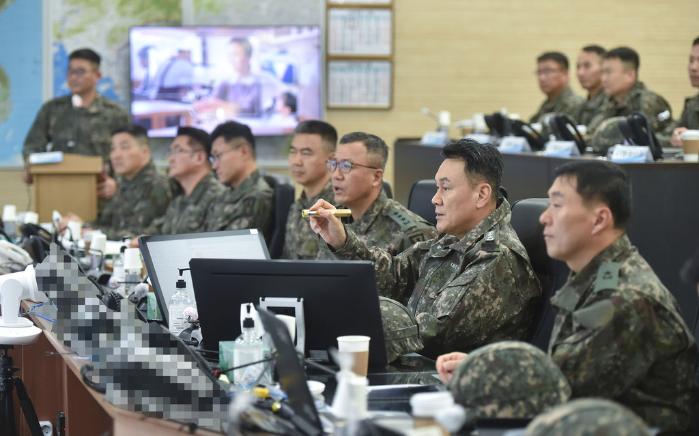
(675, 139)
(106, 187)
(326, 225)
(447, 363)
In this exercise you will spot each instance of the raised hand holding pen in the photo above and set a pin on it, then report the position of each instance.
(327, 225)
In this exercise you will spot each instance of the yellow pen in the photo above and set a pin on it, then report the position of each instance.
(340, 213)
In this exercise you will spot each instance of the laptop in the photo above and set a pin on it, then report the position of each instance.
(164, 254)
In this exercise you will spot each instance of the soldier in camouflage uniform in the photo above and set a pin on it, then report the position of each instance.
(143, 194)
(589, 72)
(552, 74)
(248, 201)
(473, 284)
(588, 416)
(690, 113)
(197, 191)
(81, 123)
(625, 95)
(313, 144)
(508, 379)
(400, 330)
(618, 333)
(357, 178)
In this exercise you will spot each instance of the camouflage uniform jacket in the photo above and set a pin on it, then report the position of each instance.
(638, 99)
(389, 225)
(187, 214)
(566, 102)
(249, 206)
(86, 131)
(690, 113)
(618, 334)
(589, 108)
(465, 292)
(136, 204)
(300, 242)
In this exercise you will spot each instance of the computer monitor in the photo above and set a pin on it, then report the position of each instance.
(164, 254)
(339, 298)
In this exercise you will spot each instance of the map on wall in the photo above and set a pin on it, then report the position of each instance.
(20, 75)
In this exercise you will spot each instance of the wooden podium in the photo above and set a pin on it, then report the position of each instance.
(68, 186)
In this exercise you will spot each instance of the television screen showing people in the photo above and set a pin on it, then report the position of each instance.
(266, 77)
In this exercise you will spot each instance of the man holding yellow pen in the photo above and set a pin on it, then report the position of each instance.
(471, 285)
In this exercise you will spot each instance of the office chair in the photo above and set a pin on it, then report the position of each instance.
(552, 274)
(282, 199)
(420, 199)
(387, 189)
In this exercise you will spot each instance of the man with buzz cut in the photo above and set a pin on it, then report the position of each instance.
(313, 143)
(246, 202)
(472, 284)
(197, 188)
(589, 72)
(690, 114)
(618, 332)
(357, 178)
(552, 75)
(143, 194)
(625, 94)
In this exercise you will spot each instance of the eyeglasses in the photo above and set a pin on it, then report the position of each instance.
(344, 165)
(214, 158)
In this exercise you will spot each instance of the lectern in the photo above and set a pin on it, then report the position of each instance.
(67, 186)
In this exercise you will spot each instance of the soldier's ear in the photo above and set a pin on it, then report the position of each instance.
(484, 192)
(604, 219)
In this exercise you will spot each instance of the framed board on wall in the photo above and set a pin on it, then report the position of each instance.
(360, 32)
(360, 84)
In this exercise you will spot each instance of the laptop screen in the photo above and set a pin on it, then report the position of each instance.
(164, 254)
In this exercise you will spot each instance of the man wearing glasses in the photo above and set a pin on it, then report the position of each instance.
(197, 188)
(81, 123)
(247, 203)
(471, 285)
(357, 179)
(553, 78)
(313, 144)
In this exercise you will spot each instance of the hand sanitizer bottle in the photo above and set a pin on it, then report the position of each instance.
(248, 348)
(179, 303)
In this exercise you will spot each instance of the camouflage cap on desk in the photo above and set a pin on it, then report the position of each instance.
(509, 379)
(607, 135)
(400, 330)
(588, 416)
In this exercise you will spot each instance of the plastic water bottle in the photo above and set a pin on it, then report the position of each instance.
(116, 281)
(179, 303)
(248, 348)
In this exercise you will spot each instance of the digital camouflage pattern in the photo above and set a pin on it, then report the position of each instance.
(567, 102)
(618, 334)
(86, 131)
(607, 135)
(135, 205)
(300, 242)
(249, 206)
(638, 99)
(589, 108)
(187, 214)
(464, 293)
(589, 416)
(508, 379)
(389, 225)
(690, 113)
(400, 330)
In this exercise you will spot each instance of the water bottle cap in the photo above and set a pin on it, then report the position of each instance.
(181, 284)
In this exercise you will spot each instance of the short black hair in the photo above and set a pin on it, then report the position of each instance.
(86, 54)
(231, 130)
(243, 42)
(626, 55)
(374, 145)
(601, 181)
(197, 138)
(594, 48)
(696, 41)
(555, 56)
(482, 162)
(139, 133)
(326, 131)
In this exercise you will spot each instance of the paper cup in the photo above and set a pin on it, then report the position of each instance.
(690, 145)
(358, 347)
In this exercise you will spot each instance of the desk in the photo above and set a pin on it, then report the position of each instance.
(665, 218)
(52, 377)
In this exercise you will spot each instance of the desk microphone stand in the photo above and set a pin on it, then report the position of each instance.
(7, 410)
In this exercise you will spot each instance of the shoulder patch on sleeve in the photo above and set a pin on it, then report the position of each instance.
(607, 276)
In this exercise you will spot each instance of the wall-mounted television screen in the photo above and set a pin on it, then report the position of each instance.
(268, 77)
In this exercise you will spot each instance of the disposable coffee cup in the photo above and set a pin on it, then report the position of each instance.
(75, 230)
(9, 212)
(132, 259)
(690, 145)
(99, 242)
(425, 408)
(358, 347)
